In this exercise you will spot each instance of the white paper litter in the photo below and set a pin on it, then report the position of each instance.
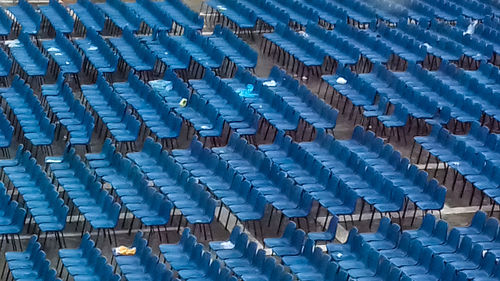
(341, 80)
(303, 33)
(227, 245)
(12, 43)
(471, 28)
(427, 45)
(53, 160)
(92, 48)
(270, 83)
(52, 49)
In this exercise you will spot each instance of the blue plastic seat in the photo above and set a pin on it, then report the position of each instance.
(155, 18)
(200, 49)
(235, 49)
(96, 205)
(88, 14)
(27, 17)
(181, 14)
(11, 217)
(122, 125)
(231, 107)
(98, 52)
(132, 51)
(249, 263)
(236, 12)
(58, 17)
(28, 56)
(32, 264)
(183, 190)
(29, 112)
(143, 265)
(310, 108)
(289, 244)
(64, 54)
(152, 110)
(86, 262)
(121, 15)
(310, 264)
(295, 45)
(190, 260)
(5, 24)
(169, 51)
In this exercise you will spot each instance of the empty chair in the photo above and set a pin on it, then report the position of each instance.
(200, 48)
(64, 54)
(27, 17)
(98, 52)
(189, 258)
(181, 14)
(12, 216)
(86, 193)
(111, 110)
(155, 18)
(188, 195)
(122, 16)
(153, 111)
(289, 244)
(30, 265)
(71, 114)
(40, 195)
(58, 17)
(132, 51)
(476, 225)
(147, 204)
(28, 56)
(86, 261)
(88, 14)
(143, 265)
(168, 51)
(234, 48)
(310, 264)
(328, 235)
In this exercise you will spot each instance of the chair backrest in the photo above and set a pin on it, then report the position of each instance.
(289, 230)
(308, 249)
(436, 266)
(298, 238)
(428, 223)
(384, 226)
(332, 226)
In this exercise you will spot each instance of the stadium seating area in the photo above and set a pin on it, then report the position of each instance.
(252, 140)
